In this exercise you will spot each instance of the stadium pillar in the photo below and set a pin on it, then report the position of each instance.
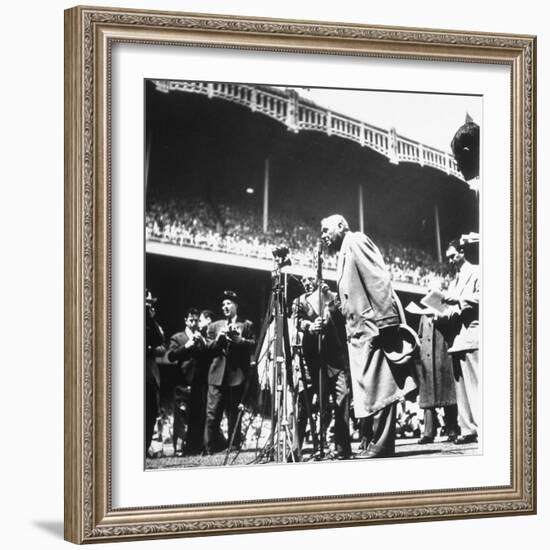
(361, 212)
(147, 160)
(266, 195)
(437, 234)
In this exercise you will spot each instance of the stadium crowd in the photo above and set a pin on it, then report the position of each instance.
(235, 229)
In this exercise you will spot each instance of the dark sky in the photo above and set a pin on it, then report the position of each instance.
(217, 149)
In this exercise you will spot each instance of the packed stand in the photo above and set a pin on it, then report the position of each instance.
(235, 229)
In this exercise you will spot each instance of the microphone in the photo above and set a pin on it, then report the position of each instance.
(319, 261)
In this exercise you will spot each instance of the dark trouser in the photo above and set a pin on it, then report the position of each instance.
(197, 417)
(180, 408)
(220, 399)
(451, 421)
(379, 431)
(151, 411)
(337, 387)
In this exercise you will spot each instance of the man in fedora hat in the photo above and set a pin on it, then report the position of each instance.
(373, 317)
(231, 342)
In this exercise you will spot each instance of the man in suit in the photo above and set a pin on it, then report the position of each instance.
(205, 319)
(154, 348)
(333, 353)
(463, 299)
(231, 342)
(188, 349)
(373, 315)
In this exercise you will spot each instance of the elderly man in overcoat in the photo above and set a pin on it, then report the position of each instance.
(373, 315)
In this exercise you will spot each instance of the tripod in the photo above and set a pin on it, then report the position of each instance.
(282, 444)
(274, 346)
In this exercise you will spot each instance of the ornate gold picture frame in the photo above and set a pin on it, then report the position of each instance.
(91, 34)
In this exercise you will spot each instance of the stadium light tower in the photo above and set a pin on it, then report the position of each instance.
(361, 212)
(437, 234)
(266, 195)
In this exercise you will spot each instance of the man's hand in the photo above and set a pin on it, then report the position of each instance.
(325, 291)
(389, 339)
(159, 351)
(451, 299)
(317, 326)
(196, 341)
(222, 336)
(234, 336)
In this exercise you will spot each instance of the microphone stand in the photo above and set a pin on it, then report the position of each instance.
(322, 365)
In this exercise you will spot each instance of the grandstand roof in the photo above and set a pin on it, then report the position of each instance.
(427, 118)
(218, 149)
(289, 107)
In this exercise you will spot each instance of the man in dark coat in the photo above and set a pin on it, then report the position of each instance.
(436, 385)
(231, 342)
(372, 316)
(334, 355)
(154, 347)
(188, 349)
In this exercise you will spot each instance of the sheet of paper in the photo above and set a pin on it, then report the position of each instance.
(415, 309)
(434, 300)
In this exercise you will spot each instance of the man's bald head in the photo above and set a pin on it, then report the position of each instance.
(333, 231)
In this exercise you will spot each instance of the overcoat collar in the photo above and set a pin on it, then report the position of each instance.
(342, 257)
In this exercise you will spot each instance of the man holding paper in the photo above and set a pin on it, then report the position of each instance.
(463, 315)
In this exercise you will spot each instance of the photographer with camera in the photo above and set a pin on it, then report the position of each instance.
(231, 342)
(187, 349)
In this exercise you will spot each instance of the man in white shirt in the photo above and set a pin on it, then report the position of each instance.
(463, 297)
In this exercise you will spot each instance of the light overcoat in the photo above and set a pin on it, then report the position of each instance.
(369, 305)
(435, 368)
(464, 317)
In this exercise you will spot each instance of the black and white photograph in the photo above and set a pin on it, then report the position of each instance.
(312, 278)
